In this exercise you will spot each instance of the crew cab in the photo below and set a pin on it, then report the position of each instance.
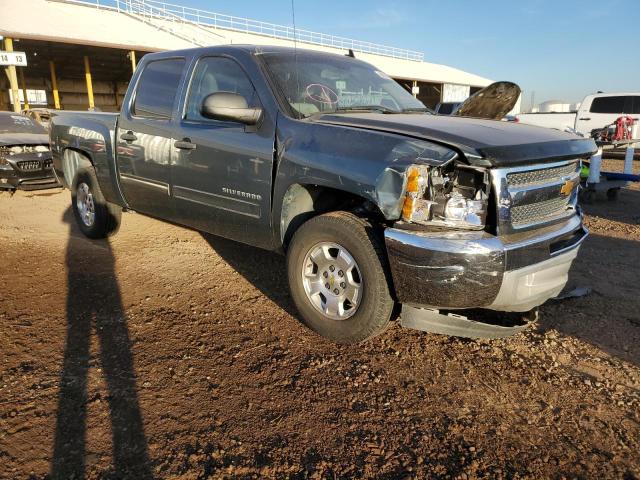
(595, 112)
(376, 202)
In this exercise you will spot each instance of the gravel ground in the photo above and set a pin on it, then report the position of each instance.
(169, 354)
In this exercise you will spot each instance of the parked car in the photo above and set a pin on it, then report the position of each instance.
(39, 115)
(25, 157)
(375, 201)
(595, 111)
(447, 108)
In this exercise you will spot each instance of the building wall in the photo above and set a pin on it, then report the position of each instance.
(108, 96)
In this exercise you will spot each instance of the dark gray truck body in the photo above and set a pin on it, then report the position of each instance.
(258, 184)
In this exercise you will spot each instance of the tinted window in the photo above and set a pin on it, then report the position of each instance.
(635, 104)
(608, 105)
(16, 123)
(157, 88)
(217, 74)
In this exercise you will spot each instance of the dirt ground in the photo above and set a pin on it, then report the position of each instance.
(168, 354)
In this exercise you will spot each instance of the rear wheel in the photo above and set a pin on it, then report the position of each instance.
(96, 217)
(339, 279)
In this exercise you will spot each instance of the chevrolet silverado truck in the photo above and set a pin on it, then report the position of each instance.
(380, 206)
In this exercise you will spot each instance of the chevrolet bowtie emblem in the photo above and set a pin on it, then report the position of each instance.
(567, 188)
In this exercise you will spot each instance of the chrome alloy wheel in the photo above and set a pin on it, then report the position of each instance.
(332, 280)
(84, 204)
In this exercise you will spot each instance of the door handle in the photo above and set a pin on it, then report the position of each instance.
(584, 118)
(128, 137)
(185, 144)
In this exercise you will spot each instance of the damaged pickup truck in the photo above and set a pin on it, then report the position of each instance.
(380, 206)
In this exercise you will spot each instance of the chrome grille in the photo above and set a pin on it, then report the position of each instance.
(543, 175)
(29, 165)
(537, 212)
(535, 195)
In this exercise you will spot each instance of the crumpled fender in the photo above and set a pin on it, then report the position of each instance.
(370, 164)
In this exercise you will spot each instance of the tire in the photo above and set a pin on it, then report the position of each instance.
(612, 194)
(96, 217)
(323, 238)
(588, 196)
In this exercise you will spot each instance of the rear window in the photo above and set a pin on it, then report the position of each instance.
(609, 104)
(157, 88)
(16, 123)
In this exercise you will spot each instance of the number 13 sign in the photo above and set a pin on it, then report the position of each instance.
(18, 59)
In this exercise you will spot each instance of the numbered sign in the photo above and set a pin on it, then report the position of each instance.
(18, 59)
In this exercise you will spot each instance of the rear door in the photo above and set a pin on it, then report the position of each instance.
(604, 110)
(144, 138)
(222, 183)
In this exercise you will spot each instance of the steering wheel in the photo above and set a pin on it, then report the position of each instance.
(321, 94)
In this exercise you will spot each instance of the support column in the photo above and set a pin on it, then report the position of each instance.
(132, 56)
(413, 88)
(24, 87)
(13, 78)
(54, 85)
(87, 75)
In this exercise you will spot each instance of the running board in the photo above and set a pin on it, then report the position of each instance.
(431, 320)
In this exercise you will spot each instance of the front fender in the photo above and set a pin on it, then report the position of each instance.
(369, 164)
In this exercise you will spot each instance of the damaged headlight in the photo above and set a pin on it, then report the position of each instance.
(448, 195)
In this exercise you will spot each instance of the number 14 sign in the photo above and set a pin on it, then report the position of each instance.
(18, 59)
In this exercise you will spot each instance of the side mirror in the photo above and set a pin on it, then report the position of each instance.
(230, 107)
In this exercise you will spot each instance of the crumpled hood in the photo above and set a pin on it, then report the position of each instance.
(24, 139)
(493, 102)
(483, 142)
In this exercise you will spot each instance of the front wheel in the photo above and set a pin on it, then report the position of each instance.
(339, 279)
(96, 217)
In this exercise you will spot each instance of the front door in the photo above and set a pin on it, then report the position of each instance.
(144, 139)
(222, 170)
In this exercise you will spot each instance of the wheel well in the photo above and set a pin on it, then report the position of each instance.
(72, 161)
(302, 202)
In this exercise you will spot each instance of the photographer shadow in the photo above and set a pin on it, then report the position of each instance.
(94, 305)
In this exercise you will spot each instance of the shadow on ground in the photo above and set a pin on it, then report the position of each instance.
(265, 270)
(94, 306)
(626, 209)
(618, 331)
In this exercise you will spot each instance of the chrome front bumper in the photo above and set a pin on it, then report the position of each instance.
(454, 270)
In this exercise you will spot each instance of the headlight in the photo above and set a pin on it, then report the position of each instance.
(446, 196)
(466, 212)
(4, 162)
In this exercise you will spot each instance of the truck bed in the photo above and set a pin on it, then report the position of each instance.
(92, 134)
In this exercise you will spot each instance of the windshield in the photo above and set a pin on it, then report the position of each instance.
(447, 108)
(321, 83)
(16, 123)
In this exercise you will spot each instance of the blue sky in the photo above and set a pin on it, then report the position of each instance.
(560, 49)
